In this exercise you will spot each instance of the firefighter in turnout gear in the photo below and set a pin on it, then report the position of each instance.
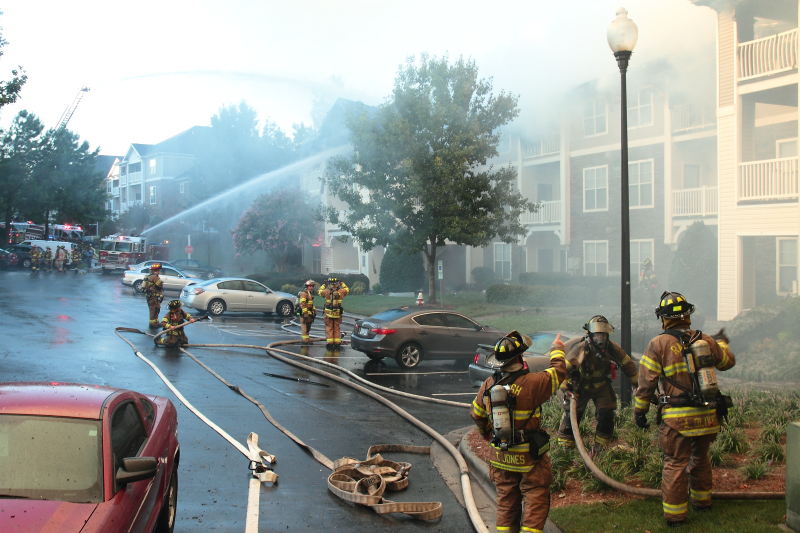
(333, 291)
(591, 365)
(76, 258)
(507, 411)
(48, 260)
(61, 257)
(678, 371)
(36, 259)
(153, 288)
(306, 309)
(175, 317)
(648, 278)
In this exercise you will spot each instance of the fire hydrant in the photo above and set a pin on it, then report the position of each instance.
(420, 301)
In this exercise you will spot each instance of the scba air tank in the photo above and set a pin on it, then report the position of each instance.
(501, 415)
(704, 367)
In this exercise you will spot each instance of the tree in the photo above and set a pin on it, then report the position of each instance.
(694, 268)
(401, 272)
(418, 176)
(136, 219)
(21, 153)
(278, 223)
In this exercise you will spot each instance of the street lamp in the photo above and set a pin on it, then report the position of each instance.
(622, 36)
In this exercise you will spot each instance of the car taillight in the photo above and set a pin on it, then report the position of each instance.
(475, 359)
(383, 331)
(197, 291)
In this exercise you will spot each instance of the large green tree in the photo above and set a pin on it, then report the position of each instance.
(418, 175)
(20, 153)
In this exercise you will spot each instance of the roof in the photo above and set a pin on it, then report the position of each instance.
(54, 399)
(104, 163)
(189, 142)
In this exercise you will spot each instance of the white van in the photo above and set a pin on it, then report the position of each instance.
(53, 245)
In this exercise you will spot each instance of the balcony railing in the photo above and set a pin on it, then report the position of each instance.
(688, 117)
(547, 145)
(548, 213)
(134, 177)
(702, 202)
(773, 179)
(768, 55)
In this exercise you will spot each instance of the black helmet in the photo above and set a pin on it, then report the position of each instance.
(333, 279)
(647, 262)
(598, 324)
(673, 305)
(511, 346)
(175, 304)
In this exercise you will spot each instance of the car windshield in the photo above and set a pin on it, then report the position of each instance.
(51, 458)
(391, 314)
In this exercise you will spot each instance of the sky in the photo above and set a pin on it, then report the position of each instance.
(156, 68)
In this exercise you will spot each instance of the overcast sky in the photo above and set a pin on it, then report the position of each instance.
(158, 68)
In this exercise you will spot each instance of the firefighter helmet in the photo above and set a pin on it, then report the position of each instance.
(155, 266)
(175, 304)
(511, 346)
(598, 324)
(333, 279)
(310, 283)
(673, 305)
(647, 263)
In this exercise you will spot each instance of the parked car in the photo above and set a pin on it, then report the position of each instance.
(204, 270)
(536, 356)
(174, 279)
(149, 262)
(237, 294)
(86, 458)
(8, 258)
(23, 252)
(410, 335)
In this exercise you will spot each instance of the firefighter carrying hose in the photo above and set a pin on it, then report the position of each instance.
(507, 411)
(591, 365)
(153, 287)
(678, 369)
(175, 317)
(333, 291)
(306, 310)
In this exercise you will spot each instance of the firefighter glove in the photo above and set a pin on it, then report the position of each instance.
(720, 336)
(641, 420)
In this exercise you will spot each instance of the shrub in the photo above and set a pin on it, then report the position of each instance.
(401, 273)
(732, 440)
(693, 272)
(716, 453)
(377, 288)
(562, 279)
(358, 288)
(651, 472)
(482, 277)
(547, 295)
(754, 469)
(291, 289)
(770, 451)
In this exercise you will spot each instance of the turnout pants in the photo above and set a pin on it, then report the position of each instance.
(306, 329)
(605, 403)
(523, 498)
(171, 341)
(333, 333)
(155, 309)
(686, 463)
(35, 265)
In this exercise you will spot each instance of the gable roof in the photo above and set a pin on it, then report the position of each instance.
(188, 142)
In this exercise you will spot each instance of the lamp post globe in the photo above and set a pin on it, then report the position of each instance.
(622, 36)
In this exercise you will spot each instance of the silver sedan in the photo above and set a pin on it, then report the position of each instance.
(174, 279)
(237, 294)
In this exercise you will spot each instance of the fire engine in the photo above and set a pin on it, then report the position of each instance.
(117, 252)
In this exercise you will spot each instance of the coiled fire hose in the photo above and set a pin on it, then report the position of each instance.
(650, 493)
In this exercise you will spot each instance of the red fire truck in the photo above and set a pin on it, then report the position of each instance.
(117, 252)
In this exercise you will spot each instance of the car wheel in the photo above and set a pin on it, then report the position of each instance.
(210, 275)
(137, 285)
(409, 355)
(26, 263)
(375, 357)
(284, 309)
(166, 517)
(216, 307)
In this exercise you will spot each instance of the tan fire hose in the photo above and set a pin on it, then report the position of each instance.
(650, 493)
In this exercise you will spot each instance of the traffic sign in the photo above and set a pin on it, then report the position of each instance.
(189, 249)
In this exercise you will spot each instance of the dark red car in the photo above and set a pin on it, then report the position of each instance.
(86, 458)
(8, 258)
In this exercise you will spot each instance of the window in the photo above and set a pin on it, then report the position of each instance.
(595, 258)
(138, 191)
(594, 117)
(364, 261)
(786, 147)
(153, 167)
(595, 189)
(640, 250)
(127, 432)
(459, 321)
(502, 260)
(691, 176)
(787, 265)
(640, 184)
(183, 188)
(640, 108)
(235, 285)
(123, 170)
(149, 410)
(115, 183)
(123, 194)
(108, 188)
(431, 319)
(153, 195)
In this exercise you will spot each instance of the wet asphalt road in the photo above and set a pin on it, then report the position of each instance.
(60, 327)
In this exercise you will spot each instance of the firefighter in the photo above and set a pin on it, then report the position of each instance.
(333, 291)
(48, 260)
(507, 411)
(76, 258)
(153, 287)
(36, 259)
(591, 365)
(306, 309)
(678, 366)
(648, 278)
(175, 317)
(61, 256)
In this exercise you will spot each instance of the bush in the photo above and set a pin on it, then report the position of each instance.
(377, 289)
(693, 272)
(562, 279)
(358, 288)
(482, 277)
(754, 469)
(401, 273)
(548, 296)
(291, 289)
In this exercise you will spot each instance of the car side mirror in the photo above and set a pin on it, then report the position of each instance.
(136, 469)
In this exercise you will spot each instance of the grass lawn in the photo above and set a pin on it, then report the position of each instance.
(647, 515)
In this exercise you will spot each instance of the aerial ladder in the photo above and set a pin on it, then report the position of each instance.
(70, 110)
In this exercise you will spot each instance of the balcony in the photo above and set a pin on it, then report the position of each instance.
(548, 213)
(699, 202)
(690, 117)
(768, 55)
(547, 145)
(771, 179)
(135, 177)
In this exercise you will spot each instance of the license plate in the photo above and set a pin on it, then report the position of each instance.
(363, 332)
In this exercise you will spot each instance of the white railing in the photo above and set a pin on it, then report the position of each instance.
(548, 213)
(773, 179)
(702, 201)
(134, 177)
(769, 55)
(114, 191)
(547, 145)
(687, 117)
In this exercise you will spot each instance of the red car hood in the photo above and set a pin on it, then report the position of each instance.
(43, 515)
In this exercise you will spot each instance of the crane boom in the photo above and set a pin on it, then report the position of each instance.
(70, 110)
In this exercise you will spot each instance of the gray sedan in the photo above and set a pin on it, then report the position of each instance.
(174, 279)
(410, 335)
(237, 294)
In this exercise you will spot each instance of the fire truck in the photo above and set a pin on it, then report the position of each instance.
(117, 252)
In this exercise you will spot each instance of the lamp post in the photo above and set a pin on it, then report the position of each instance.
(622, 36)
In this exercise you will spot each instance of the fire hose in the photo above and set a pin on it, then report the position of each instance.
(649, 493)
